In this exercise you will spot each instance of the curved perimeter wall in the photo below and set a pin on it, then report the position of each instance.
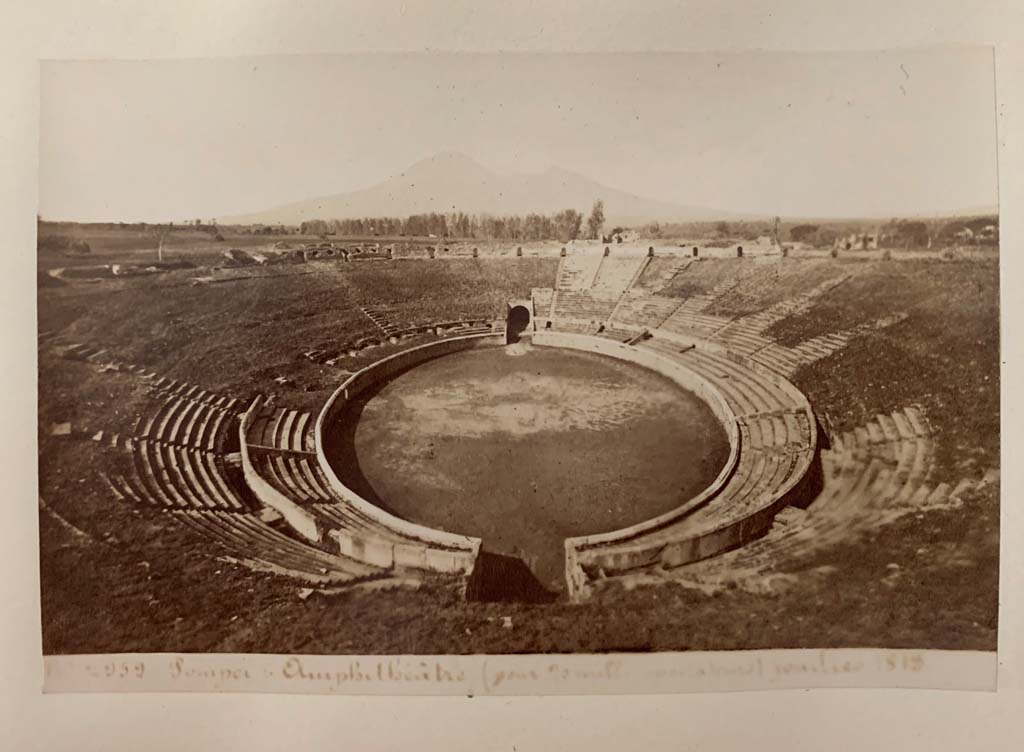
(575, 576)
(300, 520)
(622, 550)
(428, 548)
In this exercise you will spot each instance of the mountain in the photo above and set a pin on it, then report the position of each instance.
(450, 182)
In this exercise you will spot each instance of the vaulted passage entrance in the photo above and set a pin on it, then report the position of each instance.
(518, 320)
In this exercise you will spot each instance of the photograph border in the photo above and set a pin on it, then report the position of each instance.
(912, 720)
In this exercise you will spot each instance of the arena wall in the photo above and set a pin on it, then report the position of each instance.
(623, 550)
(300, 520)
(429, 548)
(575, 576)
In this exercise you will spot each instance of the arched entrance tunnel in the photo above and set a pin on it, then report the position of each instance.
(517, 322)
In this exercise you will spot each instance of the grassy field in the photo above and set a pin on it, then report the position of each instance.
(123, 579)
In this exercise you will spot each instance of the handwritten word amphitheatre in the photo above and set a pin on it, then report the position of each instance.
(395, 670)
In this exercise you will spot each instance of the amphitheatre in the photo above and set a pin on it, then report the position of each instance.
(424, 446)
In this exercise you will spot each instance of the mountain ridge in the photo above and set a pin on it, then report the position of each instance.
(452, 181)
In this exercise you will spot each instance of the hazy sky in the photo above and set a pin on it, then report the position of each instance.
(834, 134)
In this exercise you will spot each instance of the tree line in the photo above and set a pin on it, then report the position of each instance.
(563, 226)
(896, 232)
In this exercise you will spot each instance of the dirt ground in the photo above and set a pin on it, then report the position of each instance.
(529, 447)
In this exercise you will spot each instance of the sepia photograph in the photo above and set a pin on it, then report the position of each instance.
(467, 354)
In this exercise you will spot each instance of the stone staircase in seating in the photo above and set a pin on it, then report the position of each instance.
(786, 360)
(577, 271)
(872, 475)
(743, 334)
(180, 458)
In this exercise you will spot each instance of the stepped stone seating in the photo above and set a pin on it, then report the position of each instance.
(192, 486)
(176, 478)
(341, 516)
(294, 476)
(283, 429)
(739, 512)
(195, 421)
(281, 447)
(782, 360)
(379, 317)
(870, 477)
(786, 360)
(463, 329)
(261, 546)
(698, 303)
(542, 298)
(619, 335)
(177, 465)
(660, 271)
(639, 309)
(584, 306)
(577, 272)
(84, 352)
(688, 322)
(302, 481)
(441, 328)
(577, 327)
(743, 335)
(616, 274)
(177, 451)
(747, 391)
(184, 389)
(589, 287)
(688, 318)
(188, 414)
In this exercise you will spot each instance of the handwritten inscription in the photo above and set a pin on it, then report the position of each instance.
(490, 674)
(392, 671)
(113, 669)
(495, 676)
(181, 669)
(773, 669)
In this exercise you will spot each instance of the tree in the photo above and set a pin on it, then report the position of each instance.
(802, 233)
(533, 227)
(825, 236)
(567, 224)
(909, 233)
(596, 220)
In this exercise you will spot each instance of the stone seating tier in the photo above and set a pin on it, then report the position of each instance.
(866, 482)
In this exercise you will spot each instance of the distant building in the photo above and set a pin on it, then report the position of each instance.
(858, 241)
